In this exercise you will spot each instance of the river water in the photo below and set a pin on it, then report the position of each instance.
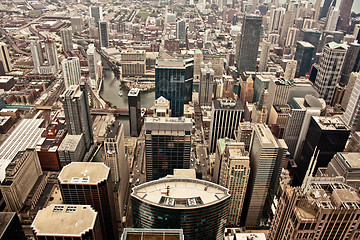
(110, 92)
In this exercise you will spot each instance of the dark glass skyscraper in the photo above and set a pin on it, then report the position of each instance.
(303, 55)
(326, 6)
(351, 62)
(329, 135)
(312, 36)
(134, 111)
(173, 81)
(345, 9)
(248, 43)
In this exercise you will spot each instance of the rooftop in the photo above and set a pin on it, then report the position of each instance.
(64, 220)
(330, 123)
(70, 142)
(25, 135)
(180, 193)
(5, 79)
(113, 129)
(134, 92)
(334, 45)
(228, 104)
(306, 44)
(152, 234)
(89, 173)
(351, 159)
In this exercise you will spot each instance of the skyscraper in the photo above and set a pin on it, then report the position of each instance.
(181, 30)
(265, 49)
(167, 145)
(312, 36)
(51, 53)
(267, 157)
(134, 111)
(104, 33)
(326, 135)
(115, 158)
(345, 10)
(77, 113)
(225, 118)
(351, 116)
(66, 39)
(21, 175)
(332, 19)
(94, 62)
(90, 183)
(303, 56)
(279, 90)
(276, 18)
(71, 71)
(71, 149)
(234, 174)
(77, 24)
(206, 84)
(351, 62)
(173, 81)
(348, 90)
(198, 207)
(5, 58)
(37, 54)
(248, 44)
(67, 222)
(96, 13)
(327, 209)
(330, 65)
(325, 7)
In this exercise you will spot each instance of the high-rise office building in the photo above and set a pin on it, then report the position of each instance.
(288, 22)
(345, 10)
(276, 18)
(21, 176)
(66, 39)
(77, 24)
(5, 57)
(71, 71)
(264, 56)
(198, 59)
(290, 69)
(303, 56)
(206, 84)
(245, 134)
(326, 136)
(351, 116)
(71, 149)
(292, 36)
(311, 36)
(198, 207)
(90, 183)
(225, 118)
(133, 63)
(77, 112)
(115, 158)
(173, 81)
(11, 226)
(234, 174)
(134, 112)
(345, 164)
(167, 145)
(351, 62)
(329, 73)
(181, 30)
(96, 13)
(279, 90)
(299, 119)
(37, 55)
(267, 158)
(67, 222)
(332, 19)
(51, 53)
(325, 8)
(247, 91)
(104, 33)
(348, 90)
(248, 43)
(326, 209)
(94, 63)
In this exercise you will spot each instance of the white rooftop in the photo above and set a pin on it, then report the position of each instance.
(25, 135)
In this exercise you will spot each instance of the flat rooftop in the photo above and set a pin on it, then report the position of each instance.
(228, 104)
(70, 142)
(25, 136)
(168, 124)
(152, 234)
(351, 159)
(5, 79)
(306, 44)
(90, 173)
(180, 193)
(330, 123)
(134, 92)
(64, 220)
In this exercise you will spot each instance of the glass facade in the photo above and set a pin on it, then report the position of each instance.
(174, 84)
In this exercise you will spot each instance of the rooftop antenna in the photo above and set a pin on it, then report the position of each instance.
(310, 170)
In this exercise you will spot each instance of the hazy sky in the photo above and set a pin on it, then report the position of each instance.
(355, 8)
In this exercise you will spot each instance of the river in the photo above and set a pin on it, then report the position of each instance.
(110, 92)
